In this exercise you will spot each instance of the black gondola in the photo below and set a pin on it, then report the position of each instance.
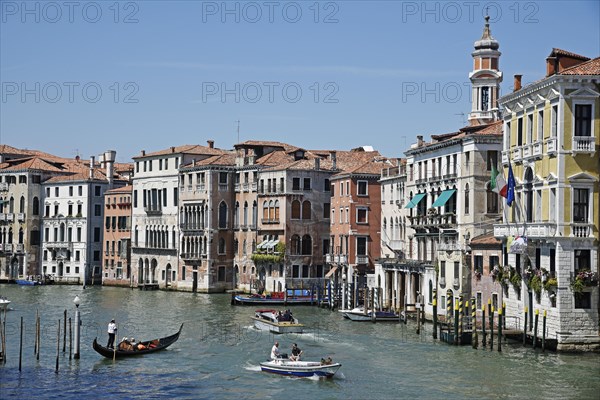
(151, 347)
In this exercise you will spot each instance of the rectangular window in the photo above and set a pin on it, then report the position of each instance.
(554, 121)
(479, 300)
(281, 185)
(77, 255)
(135, 195)
(56, 191)
(582, 260)
(442, 269)
(552, 262)
(295, 183)
(326, 210)
(529, 128)
(295, 271)
(583, 120)
(520, 132)
(80, 190)
(332, 189)
(492, 159)
(149, 165)
(175, 197)
(97, 210)
(223, 179)
(478, 267)
(362, 188)
(456, 270)
(325, 246)
(70, 190)
(137, 166)
(97, 255)
(347, 188)
(97, 191)
(326, 185)
(540, 125)
(361, 215)
(79, 234)
(583, 300)
(494, 262)
(160, 164)
(307, 185)
(96, 234)
(361, 246)
(305, 271)
(580, 205)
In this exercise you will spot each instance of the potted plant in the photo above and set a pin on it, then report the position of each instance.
(551, 284)
(582, 280)
(515, 279)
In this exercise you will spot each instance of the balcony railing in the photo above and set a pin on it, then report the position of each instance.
(584, 144)
(362, 259)
(201, 187)
(190, 256)
(236, 187)
(7, 247)
(10, 217)
(153, 209)
(532, 230)
(517, 154)
(581, 230)
(527, 151)
(19, 247)
(223, 187)
(421, 181)
(456, 283)
(3, 187)
(450, 176)
(551, 146)
(328, 258)
(450, 246)
(538, 149)
(505, 157)
(270, 220)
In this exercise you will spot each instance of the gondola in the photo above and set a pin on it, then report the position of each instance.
(151, 347)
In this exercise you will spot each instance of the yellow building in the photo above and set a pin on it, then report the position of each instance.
(551, 141)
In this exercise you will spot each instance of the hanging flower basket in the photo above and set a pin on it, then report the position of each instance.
(582, 280)
(550, 285)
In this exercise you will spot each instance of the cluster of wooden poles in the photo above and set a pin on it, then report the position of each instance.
(38, 342)
(458, 322)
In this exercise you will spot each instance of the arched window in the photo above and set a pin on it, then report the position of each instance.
(245, 220)
(22, 204)
(62, 232)
(271, 210)
(254, 213)
(529, 195)
(244, 250)
(223, 215)
(11, 205)
(277, 210)
(295, 245)
(21, 235)
(306, 210)
(306, 245)
(467, 198)
(295, 209)
(221, 246)
(265, 210)
(430, 291)
(36, 206)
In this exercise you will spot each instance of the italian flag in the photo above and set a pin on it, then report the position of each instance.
(498, 184)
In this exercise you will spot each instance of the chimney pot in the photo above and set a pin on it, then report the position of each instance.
(333, 155)
(143, 152)
(172, 149)
(517, 83)
(211, 144)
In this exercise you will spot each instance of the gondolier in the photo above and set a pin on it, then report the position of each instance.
(112, 329)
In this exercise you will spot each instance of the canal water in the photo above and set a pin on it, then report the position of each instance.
(218, 353)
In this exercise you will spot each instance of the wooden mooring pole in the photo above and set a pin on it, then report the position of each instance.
(65, 331)
(435, 314)
(70, 339)
(474, 338)
(39, 337)
(492, 328)
(57, 345)
(525, 326)
(544, 332)
(21, 346)
(483, 339)
(535, 330)
(500, 329)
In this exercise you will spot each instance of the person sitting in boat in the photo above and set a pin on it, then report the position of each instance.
(296, 353)
(287, 316)
(326, 361)
(141, 346)
(279, 316)
(275, 351)
(125, 345)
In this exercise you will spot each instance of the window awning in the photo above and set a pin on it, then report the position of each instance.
(444, 197)
(261, 244)
(331, 272)
(271, 244)
(415, 200)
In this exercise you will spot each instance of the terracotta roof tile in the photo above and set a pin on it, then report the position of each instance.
(591, 67)
(31, 163)
(124, 189)
(187, 149)
(485, 239)
(267, 143)
(227, 159)
(561, 52)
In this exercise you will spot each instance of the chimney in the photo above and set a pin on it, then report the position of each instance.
(109, 161)
(92, 162)
(551, 66)
(419, 140)
(317, 164)
(143, 152)
(517, 84)
(211, 144)
(172, 149)
(333, 155)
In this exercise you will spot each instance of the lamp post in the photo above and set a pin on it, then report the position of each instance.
(77, 301)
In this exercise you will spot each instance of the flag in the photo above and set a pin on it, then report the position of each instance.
(510, 194)
(498, 184)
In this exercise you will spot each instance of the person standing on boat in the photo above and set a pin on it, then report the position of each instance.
(112, 330)
(275, 351)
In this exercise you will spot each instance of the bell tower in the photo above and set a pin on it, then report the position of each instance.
(485, 79)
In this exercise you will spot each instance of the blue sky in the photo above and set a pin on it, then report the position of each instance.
(83, 77)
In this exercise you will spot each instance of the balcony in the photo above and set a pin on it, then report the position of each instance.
(340, 259)
(237, 187)
(328, 258)
(10, 217)
(456, 283)
(396, 244)
(538, 150)
(581, 230)
(443, 282)
(200, 187)
(448, 177)
(527, 151)
(2, 217)
(451, 246)
(7, 247)
(584, 144)
(551, 146)
(532, 230)
(246, 187)
(59, 245)
(516, 154)
(421, 181)
(362, 259)
(254, 186)
(223, 187)
(270, 221)
(505, 157)
(190, 256)
(153, 210)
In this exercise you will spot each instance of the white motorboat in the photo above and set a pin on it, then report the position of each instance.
(358, 314)
(273, 321)
(4, 302)
(323, 368)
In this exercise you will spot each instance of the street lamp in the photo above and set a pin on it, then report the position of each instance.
(77, 301)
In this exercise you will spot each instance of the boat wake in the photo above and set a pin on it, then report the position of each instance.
(252, 367)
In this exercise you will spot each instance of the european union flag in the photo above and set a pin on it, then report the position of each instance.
(510, 195)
